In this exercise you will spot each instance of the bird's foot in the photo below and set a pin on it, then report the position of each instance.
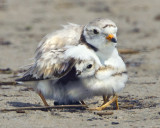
(95, 109)
(104, 106)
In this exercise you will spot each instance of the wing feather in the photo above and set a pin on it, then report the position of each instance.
(48, 69)
(50, 60)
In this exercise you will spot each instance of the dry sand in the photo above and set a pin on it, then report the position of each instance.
(24, 23)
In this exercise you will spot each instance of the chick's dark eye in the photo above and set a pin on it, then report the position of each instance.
(95, 31)
(89, 66)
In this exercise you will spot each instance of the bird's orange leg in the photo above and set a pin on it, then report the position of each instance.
(106, 104)
(43, 99)
(116, 101)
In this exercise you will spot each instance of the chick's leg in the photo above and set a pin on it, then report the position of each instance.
(116, 101)
(105, 99)
(83, 103)
(106, 104)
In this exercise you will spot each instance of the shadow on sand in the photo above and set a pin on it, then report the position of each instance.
(21, 104)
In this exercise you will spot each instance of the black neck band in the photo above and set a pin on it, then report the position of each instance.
(83, 40)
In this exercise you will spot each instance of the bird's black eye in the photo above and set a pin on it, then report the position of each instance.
(95, 31)
(89, 66)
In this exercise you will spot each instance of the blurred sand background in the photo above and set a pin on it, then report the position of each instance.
(23, 23)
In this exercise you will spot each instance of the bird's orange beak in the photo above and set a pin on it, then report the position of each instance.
(111, 38)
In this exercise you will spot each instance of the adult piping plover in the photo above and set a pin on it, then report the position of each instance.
(52, 61)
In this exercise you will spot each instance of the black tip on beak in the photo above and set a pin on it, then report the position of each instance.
(78, 72)
(113, 40)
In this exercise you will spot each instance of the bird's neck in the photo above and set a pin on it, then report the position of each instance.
(84, 41)
(105, 52)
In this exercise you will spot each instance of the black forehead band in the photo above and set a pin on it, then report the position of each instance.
(109, 25)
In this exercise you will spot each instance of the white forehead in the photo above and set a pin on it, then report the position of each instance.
(110, 30)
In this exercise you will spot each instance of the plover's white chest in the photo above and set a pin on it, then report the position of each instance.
(105, 53)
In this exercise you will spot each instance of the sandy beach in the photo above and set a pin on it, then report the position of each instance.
(24, 23)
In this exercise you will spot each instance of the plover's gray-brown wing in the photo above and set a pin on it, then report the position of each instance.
(50, 60)
(52, 64)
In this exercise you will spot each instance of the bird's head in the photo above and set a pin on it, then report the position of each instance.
(100, 33)
(86, 68)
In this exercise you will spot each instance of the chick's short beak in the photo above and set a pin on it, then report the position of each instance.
(78, 72)
(111, 38)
